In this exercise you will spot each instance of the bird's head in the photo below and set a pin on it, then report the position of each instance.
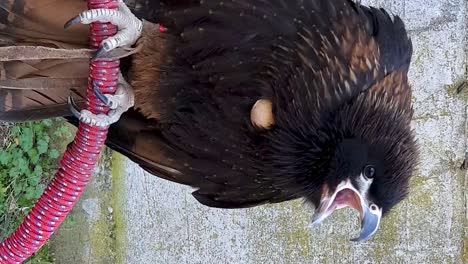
(367, 177)
(360, 154)
(370, 165)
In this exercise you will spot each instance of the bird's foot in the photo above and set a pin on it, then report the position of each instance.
(130, 27)
(118, 103)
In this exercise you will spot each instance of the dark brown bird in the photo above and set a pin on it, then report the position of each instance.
(250, 102)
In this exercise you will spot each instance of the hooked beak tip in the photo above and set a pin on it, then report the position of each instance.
(369, 225)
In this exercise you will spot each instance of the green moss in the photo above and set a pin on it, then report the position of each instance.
(421, 197)
(43, 256)
(118, 202)
(160, 247)
(293, 234)
(465, 248)
(299, 238)
(461, 181)
(425, 117)
(70, 221)
(419, 56)
(444, 112)
(388, 231)
(100, 241)
(458, 88)
(214, 236)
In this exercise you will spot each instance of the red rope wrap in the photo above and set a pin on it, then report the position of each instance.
(77, 163)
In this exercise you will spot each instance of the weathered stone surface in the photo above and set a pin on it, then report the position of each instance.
(87, 235)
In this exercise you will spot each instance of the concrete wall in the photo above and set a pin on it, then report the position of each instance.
(156, 221)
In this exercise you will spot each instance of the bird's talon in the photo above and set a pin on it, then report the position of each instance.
(104, 99)
(73, 107)
(100, 52)
(130, 27)
(74, 20)
(118, 103)
(111, 101)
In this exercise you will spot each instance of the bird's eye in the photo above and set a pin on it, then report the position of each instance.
(369, 171)
(374, 209)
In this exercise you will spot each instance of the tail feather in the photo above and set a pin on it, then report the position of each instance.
(18, 105)
(40, 22)
(32, 89)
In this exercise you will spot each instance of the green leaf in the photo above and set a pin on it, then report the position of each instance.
(64, 130)
(33, 156)
(5, 158)
(30, 193)
(57, 133)
(17, 188)
(47, 122)
(14, 172)
(54, 154)
(23, 165)
(42, 146)
(15, 131)
(26, 139)
(16, 153)
(38, 171)
(34, 181)
(38, 190)
(38, 128)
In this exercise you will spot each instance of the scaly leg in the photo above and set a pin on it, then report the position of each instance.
(130, 28)
(118, 103)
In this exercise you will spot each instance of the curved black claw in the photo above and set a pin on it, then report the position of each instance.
(73, 107)
(100, 96)
(99, 53)
(72, 21)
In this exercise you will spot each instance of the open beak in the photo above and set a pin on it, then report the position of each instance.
(344, 196)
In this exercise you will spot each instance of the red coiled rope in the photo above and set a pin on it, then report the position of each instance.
(77, 163)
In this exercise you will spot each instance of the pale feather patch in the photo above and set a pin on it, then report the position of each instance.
(261, 114)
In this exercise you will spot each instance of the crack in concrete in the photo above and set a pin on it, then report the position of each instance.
(435, 25)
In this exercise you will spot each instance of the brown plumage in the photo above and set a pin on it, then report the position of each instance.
(334, 72)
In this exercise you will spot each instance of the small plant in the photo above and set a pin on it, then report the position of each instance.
(27, 162)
